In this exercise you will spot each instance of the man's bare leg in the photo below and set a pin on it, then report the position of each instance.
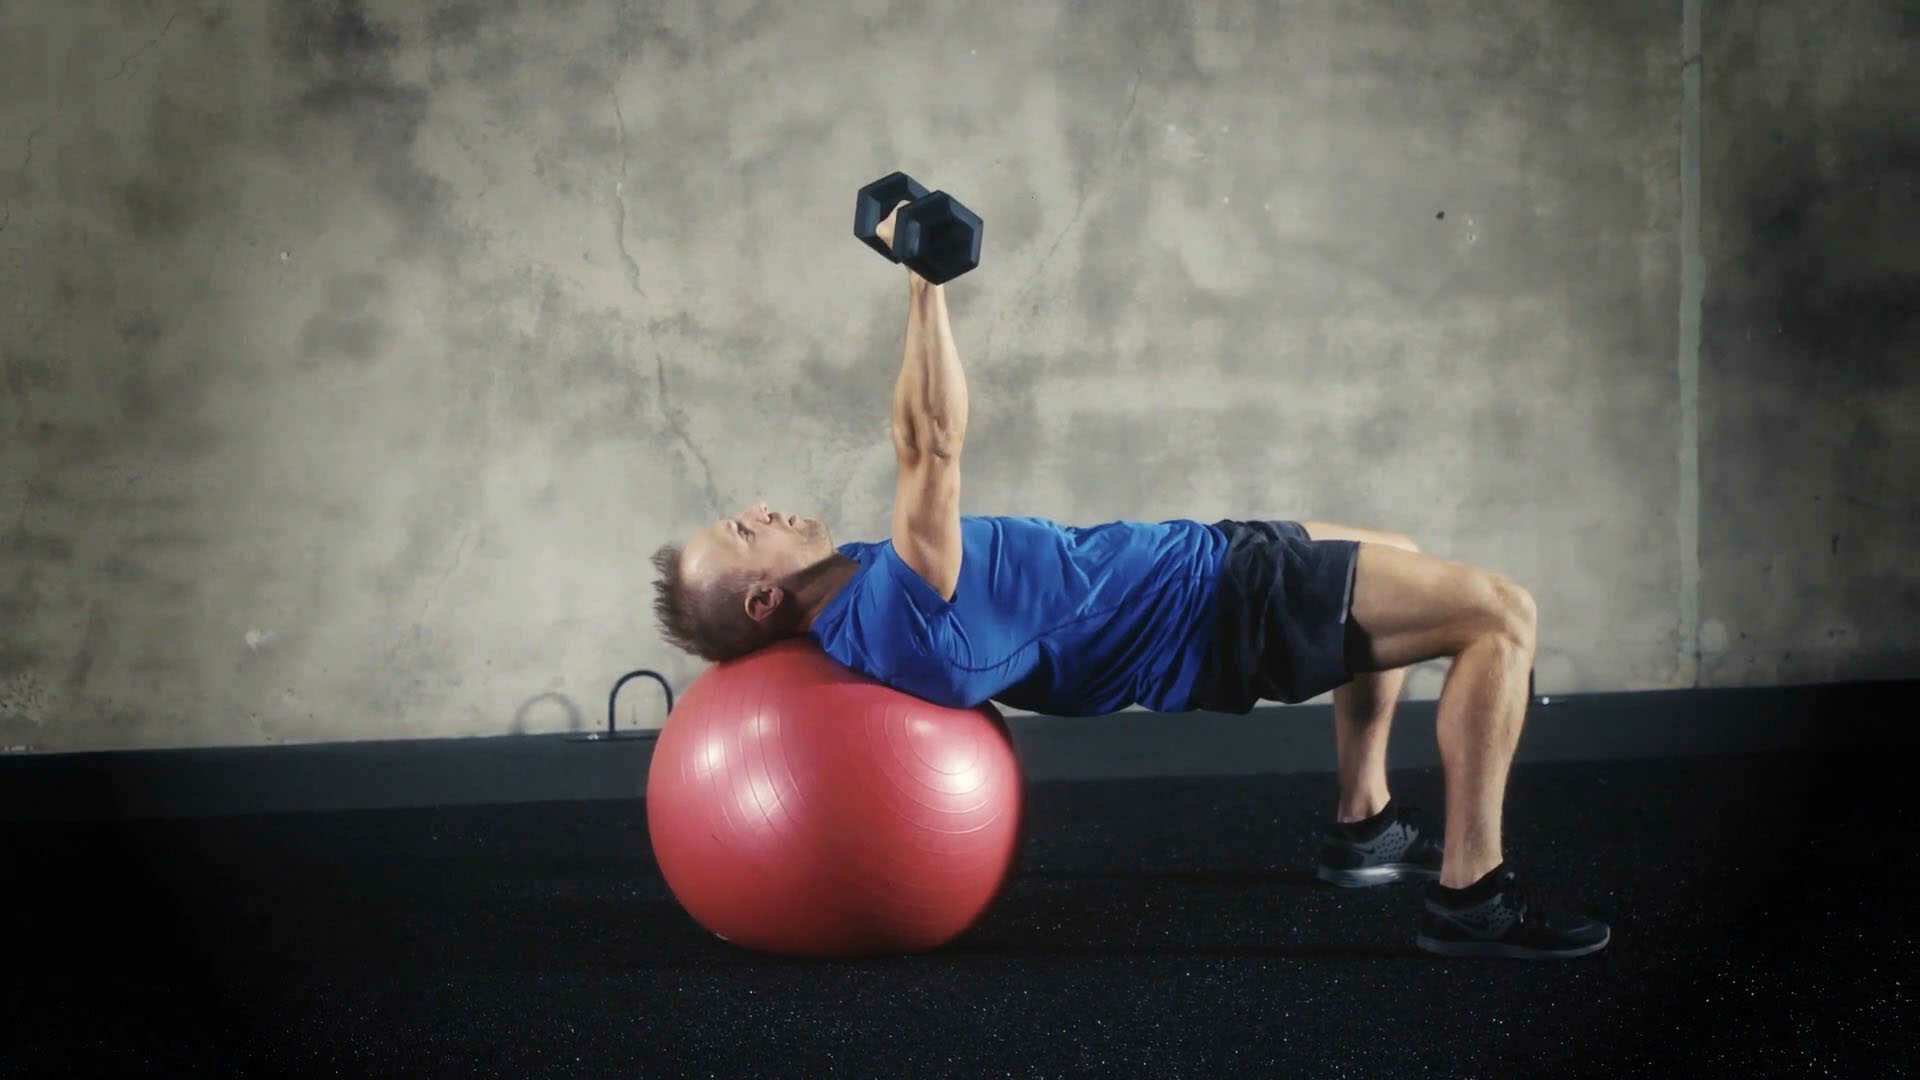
(1362, 717)
(1414, 607)
(1363, 708)
(1482, 706)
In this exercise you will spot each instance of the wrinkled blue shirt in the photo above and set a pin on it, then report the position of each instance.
(1046, 617)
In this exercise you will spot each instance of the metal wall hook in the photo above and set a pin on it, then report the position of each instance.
(614, 697)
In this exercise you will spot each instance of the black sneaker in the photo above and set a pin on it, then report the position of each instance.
(1494, 918)
(1392, 846)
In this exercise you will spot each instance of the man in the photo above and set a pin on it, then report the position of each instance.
(1175, 616)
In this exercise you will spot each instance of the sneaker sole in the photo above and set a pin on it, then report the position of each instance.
(1374, 875)
(1505, 951)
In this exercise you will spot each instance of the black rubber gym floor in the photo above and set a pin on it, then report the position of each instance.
(1762, 908)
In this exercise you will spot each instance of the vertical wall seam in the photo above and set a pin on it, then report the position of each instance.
(1692, 290)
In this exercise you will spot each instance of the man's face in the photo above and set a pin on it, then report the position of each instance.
(775, 545)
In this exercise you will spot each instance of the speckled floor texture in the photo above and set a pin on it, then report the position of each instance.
(1762, 905)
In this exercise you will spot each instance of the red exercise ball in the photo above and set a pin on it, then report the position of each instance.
(797, 807)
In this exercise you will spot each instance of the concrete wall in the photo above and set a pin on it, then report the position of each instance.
(357, 354)
(1810, 345)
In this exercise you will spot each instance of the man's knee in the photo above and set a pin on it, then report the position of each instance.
(1520, 615)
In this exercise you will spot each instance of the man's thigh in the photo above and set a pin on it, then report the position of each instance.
(1321, 530)
(1408, 606)
(1362, 655)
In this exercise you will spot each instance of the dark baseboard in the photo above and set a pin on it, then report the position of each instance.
(332, 777)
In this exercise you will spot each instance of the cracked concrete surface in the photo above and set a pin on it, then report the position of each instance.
(335, 410)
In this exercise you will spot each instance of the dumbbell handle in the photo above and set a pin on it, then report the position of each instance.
(868, 213)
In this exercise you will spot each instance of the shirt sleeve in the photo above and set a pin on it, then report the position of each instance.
(903, 625)
(925, 602)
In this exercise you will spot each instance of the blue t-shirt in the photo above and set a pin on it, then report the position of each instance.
(1046, 617)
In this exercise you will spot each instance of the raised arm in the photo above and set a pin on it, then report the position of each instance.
(930, 396)
(929, 430)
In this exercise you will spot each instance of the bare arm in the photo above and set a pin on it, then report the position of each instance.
(930, 396)
(929, 428)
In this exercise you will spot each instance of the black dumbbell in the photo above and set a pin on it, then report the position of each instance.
(936, 236)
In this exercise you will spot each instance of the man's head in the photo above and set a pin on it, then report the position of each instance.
(740, 583)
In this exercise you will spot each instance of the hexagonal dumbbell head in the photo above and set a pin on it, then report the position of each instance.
(938, 238)
(875, 202)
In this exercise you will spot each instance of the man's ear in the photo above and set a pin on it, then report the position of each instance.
(763, 601)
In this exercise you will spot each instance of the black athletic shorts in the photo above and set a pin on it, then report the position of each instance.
(1280, 628)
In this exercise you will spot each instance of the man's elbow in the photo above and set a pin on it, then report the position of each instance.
(943, 444)
(924, 436)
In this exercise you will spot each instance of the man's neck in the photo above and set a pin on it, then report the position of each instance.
(823, 585)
